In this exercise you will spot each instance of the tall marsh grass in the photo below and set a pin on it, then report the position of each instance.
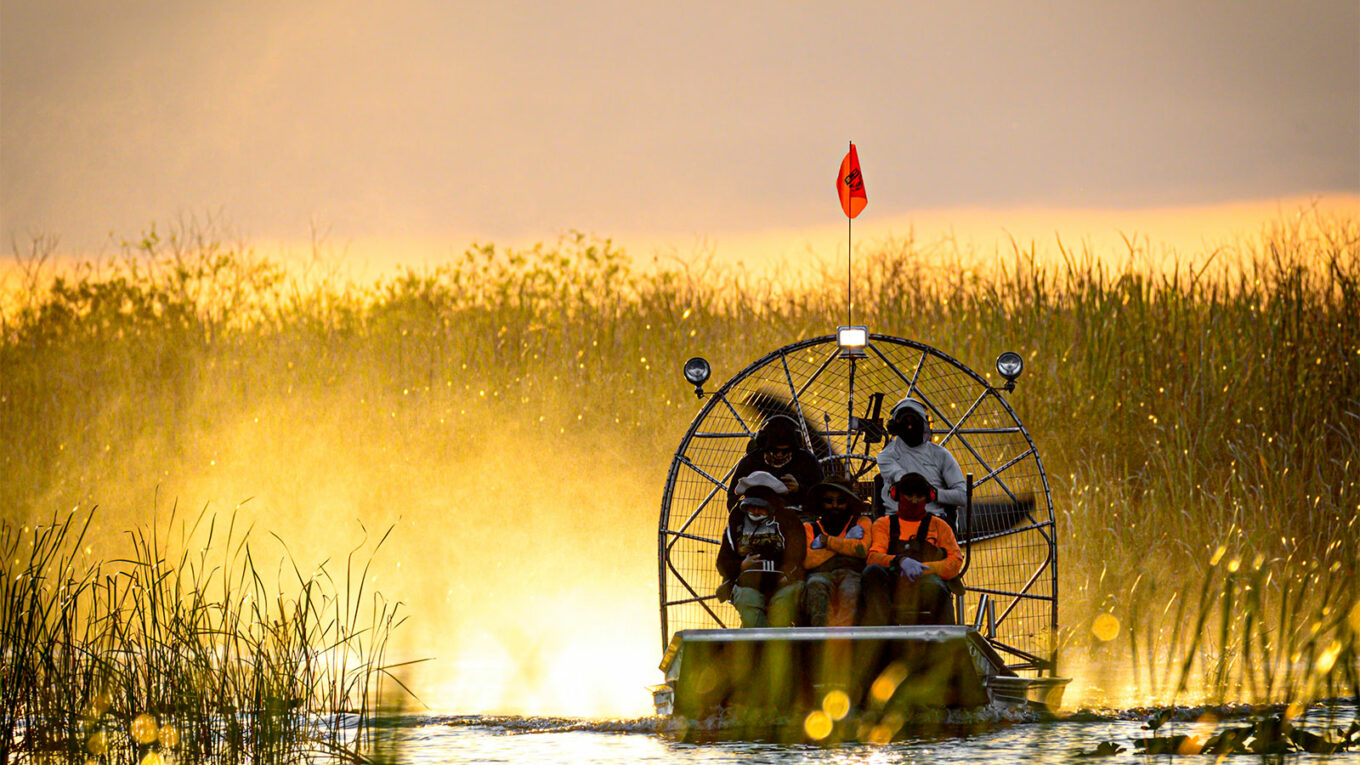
(1260, 631)
(189, 649)
(1212, 404)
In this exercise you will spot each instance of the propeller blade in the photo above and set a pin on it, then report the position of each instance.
(994, 515)
(770, 404)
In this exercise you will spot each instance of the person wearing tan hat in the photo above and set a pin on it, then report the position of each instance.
(838, 542)
(761, 555)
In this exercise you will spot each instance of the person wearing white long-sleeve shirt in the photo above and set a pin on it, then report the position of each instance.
(912, 451)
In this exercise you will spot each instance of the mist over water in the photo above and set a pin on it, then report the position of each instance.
(520, 559)
(512, 414)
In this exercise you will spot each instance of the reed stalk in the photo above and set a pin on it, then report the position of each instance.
(185, 649)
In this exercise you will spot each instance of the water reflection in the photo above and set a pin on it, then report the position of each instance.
(446, 739)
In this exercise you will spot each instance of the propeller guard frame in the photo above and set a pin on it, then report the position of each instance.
(1012, 573)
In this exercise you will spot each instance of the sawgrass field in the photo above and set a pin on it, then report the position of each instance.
(1199, 423)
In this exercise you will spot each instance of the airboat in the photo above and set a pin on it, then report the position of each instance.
(1002, 651)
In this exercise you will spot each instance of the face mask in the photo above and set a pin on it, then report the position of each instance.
(834, 521)
(756, 509)
(914, 432)
(911, 511)
(909, 426)
(835, 513)
(778, 458)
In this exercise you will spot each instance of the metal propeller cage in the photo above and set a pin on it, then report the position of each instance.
(1012, 565)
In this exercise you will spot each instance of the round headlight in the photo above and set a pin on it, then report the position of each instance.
(697, 370)
(1009, 365)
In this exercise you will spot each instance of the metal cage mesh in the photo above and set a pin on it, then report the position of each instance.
(1012, 562)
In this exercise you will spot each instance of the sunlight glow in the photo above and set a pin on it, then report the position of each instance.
(585, 660)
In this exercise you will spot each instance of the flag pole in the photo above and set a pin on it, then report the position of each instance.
(849, 322)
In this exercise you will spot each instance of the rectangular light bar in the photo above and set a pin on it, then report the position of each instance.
(852, 340)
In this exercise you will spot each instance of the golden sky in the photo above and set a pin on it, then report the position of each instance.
(670, 127)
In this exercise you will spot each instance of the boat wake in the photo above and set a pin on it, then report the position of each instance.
(517, 725)
(998, 715)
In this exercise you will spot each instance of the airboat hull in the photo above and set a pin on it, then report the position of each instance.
(773, 671)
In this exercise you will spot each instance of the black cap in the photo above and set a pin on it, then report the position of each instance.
(914, 484)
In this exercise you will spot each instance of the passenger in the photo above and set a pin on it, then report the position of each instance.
(914, 562)
(838, 543)
(761, 555)
(912, 451)
(778, 450)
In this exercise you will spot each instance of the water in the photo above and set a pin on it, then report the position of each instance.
(448, 739)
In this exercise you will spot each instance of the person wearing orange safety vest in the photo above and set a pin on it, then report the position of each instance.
(914, 561)
(838, 542)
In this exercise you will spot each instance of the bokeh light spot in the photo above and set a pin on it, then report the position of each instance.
(169, 736)
(1327, 659)
(885, 685)
(1105, 627)
(98, 743)
(144, 729)
(817, 725)
(836, 705)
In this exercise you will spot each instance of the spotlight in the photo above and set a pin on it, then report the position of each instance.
(697, 371)
(1009, 365)
(852, 341)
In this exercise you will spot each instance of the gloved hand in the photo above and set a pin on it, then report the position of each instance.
(818, 542)
(910, 568)
(855, 533)
(725, 592)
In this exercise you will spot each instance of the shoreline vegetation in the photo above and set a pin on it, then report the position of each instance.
(1200, 427)
(190, 648)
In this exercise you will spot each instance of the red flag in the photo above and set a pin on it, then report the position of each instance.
(850, 184)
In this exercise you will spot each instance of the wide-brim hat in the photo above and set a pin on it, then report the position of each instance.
(839, 484)
(762, 479)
